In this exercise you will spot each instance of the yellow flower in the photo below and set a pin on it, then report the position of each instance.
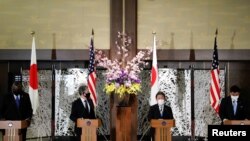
(109, 88)
(134, 88)
(122, 89)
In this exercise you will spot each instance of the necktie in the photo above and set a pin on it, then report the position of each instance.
(86, 105)
(161, 110)
(17, 101)
(235, 106)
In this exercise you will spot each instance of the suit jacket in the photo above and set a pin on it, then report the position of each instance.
(154, 112)
(10, 110)
(78, 111)
(226, 109)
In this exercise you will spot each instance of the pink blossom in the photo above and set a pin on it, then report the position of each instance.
(129, 70)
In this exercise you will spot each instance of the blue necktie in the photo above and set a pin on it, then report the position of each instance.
(86, 105)
(161, 111)
(235, 106)
(17, 101)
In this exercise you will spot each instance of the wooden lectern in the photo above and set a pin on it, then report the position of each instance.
(12, 129)
(123, 124)
(162, 129)
(89, 127)
(236, 122)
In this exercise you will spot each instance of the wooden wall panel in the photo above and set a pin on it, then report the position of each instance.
(162, 55)
(3, 78)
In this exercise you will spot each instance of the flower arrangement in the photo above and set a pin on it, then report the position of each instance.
(122, 76)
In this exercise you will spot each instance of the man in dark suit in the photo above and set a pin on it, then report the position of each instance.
(17, 106)
(233, 107)
(159, 110)
(83, 107)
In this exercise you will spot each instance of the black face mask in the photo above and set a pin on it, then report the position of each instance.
(16, 91)
(87, 95)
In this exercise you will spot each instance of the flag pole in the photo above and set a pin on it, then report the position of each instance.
(225, 80)
(192, 104)
(52, 124)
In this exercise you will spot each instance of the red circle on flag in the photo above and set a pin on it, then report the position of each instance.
(153, 76)
(33, 76)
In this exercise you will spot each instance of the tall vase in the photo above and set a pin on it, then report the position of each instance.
(124, 100)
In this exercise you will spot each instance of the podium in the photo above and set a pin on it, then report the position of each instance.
(12, 129)
(236, 122)
(162, 129)
(89, 127)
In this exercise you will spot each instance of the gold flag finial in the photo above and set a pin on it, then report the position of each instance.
(32, 33)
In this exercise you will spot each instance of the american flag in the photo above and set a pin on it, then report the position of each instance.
(215, 81)
(92, 71)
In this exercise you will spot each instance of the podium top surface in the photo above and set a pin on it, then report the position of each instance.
(162, 123)
(88, 122)
(12, 124)
(236, 122)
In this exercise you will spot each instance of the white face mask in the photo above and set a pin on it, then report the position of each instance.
(160, 102)
(234, 97)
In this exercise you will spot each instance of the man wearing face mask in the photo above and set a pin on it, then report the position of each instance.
(233, 107)
(159, 110)
(17, 106)
(83, 107)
